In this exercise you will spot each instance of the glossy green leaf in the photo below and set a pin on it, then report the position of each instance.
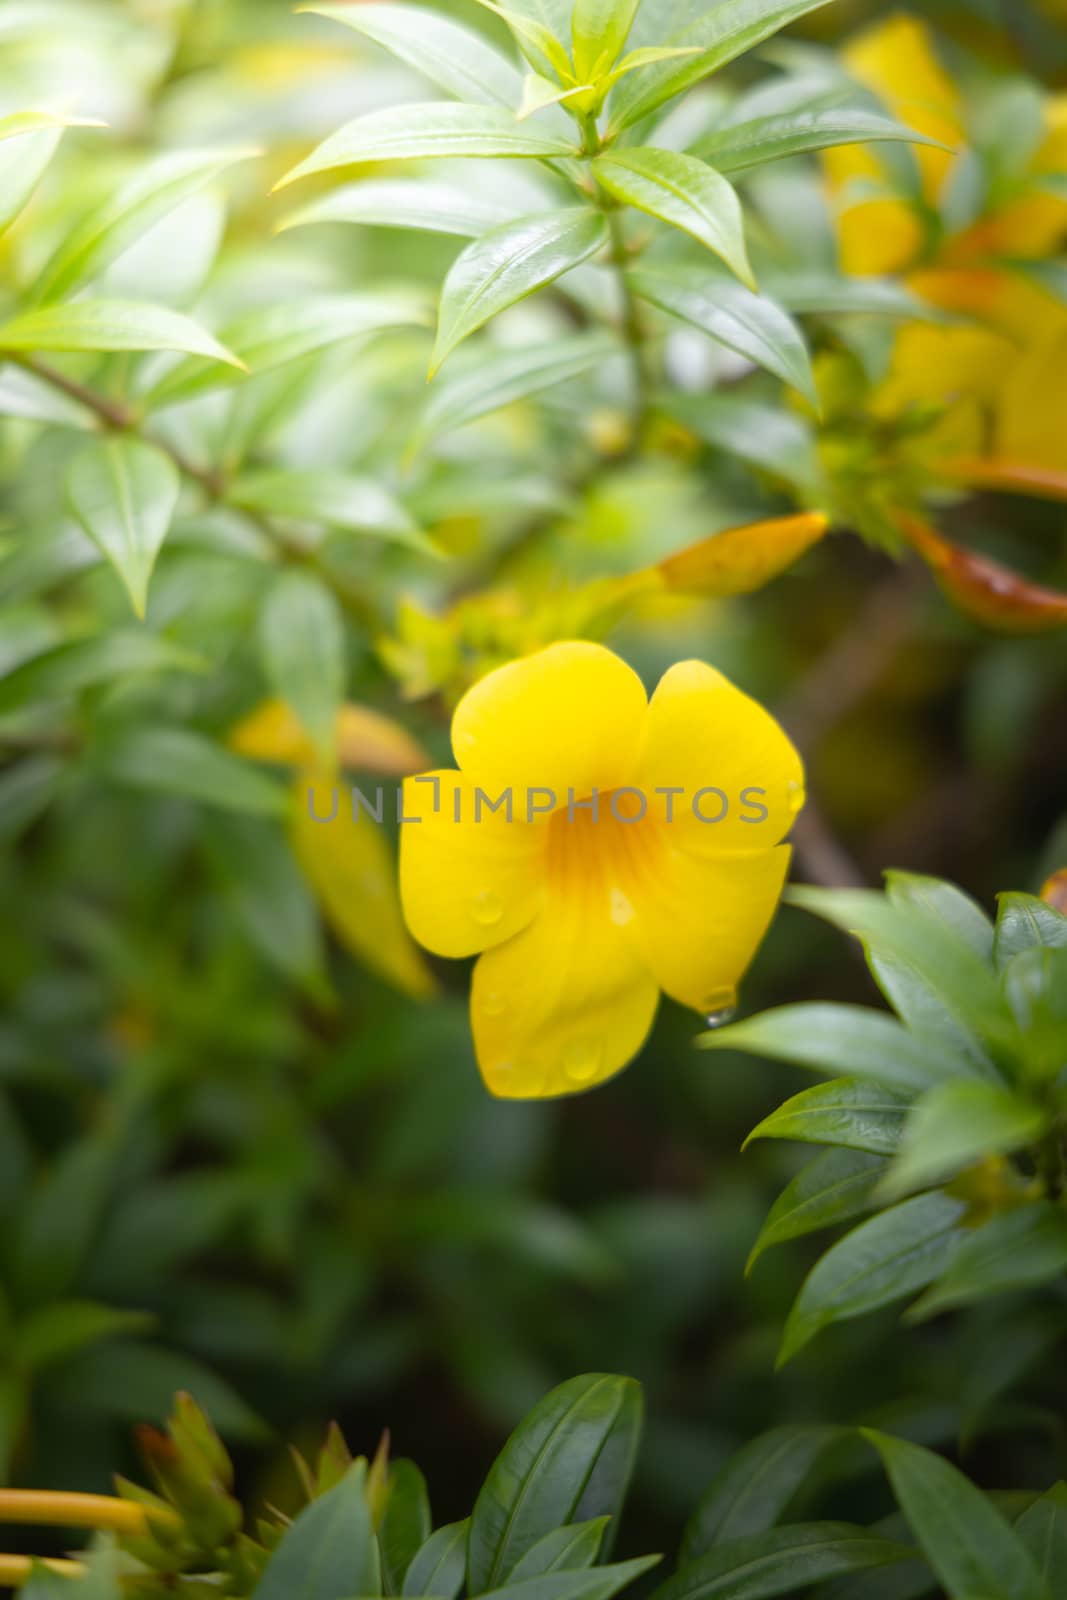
(568, 1549)
(429, 131)
(601, 1583)
(405, 1525)
(598, 32)
(780, 1561)
(28, 141)
(684, 192)
(329, 1552)
(1043, 1530)
(835, 1187)
(568, 1461)
(967, 1541)
(749, 1494)
(302, 643)
(749, 324)
(404, 203)
(943, 903)
(742, 145)
(439, 1567)
(854, 1041)
(723, 32)
(343, 500)
(182, 762)
(111, 325)
(507, 264)
(1015, 1250)
(126, 215)
(1024, 921)
(891, 1256)
(456, 58)
(501, 377)
(846, 1111)
(956, 1125)
(67, 669)
(124, 494)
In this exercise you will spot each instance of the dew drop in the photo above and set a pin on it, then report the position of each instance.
(581, 1059)
(492, 1005)
(622, 911)
(794, 797)
(720, 1006)
(486, 907)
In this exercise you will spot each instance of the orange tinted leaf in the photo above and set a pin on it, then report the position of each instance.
(741, 560)
(1054, 892)
(984, 589)
(366, 740)
(1014, 477)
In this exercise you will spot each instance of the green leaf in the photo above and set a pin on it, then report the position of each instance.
(852, 1040)
(568, 1461)
(599, 1584)
(749, 1494)
(273, 336)
(956, 1125)
(931, 974)
(112, 325)
(30, 140)
(568, 1549)
(302, 642)
(182, 762)
(269, 895)
(943, 903)
(27, 788)
(329, 1552)
(404, 203)
(507, 264)
(1043, 1530)
(846, 1111)
(428, 131)
(1015, 1250)
(882, 1260)
(1024, 921)
(599, 29)
(124, 494)
(780, 1561)
(966, 1540)
(406, 1524)
(749, 324)
(340, 499)
(538, 92)
(683, 192)
(125, 216)
(720, 35)
(457, 59)
(813, 293)
(440, 1566)
(499, 378)
(69, 668)
(742, 145)
(835, 1187)
(55, 1332)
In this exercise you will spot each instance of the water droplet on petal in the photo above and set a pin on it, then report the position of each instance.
(622, 911)
(581, 1059)
(492, 1005)
(720, 1006)
(486, 907)
(794, 797)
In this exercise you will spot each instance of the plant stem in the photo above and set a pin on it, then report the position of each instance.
(14, 1570)
(61, 1508)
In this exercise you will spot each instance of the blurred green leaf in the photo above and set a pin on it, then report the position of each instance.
(499, 378)
(508, 263)
(956, 1125)
(404, 203)
(302, 643)
(740, 146)
(457, 59)
(80, 664)
(406, 1524)
(1016, 1250)
(340, 500)
(966, 1540)
(1043, 1530)
(124, 494)
(56, 1332)
(568, 1461)
(180, 761)
(269, 895)
(894, 1254)
(778, 1561)
(111, 325)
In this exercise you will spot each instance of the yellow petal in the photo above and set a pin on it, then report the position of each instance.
(897, 60)
(937, 366)
(563, 1006)
(1032, 414)
(366, 740)
(742, 779)
(569, 716)
(878, 237)
(699, 922)
(350, 867)
(468, 884)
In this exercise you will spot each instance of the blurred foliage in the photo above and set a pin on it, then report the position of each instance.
(244, 1150)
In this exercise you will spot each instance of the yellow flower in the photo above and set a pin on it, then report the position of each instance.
(642, 853)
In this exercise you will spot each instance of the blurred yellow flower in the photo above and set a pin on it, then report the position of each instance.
(594, 849)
